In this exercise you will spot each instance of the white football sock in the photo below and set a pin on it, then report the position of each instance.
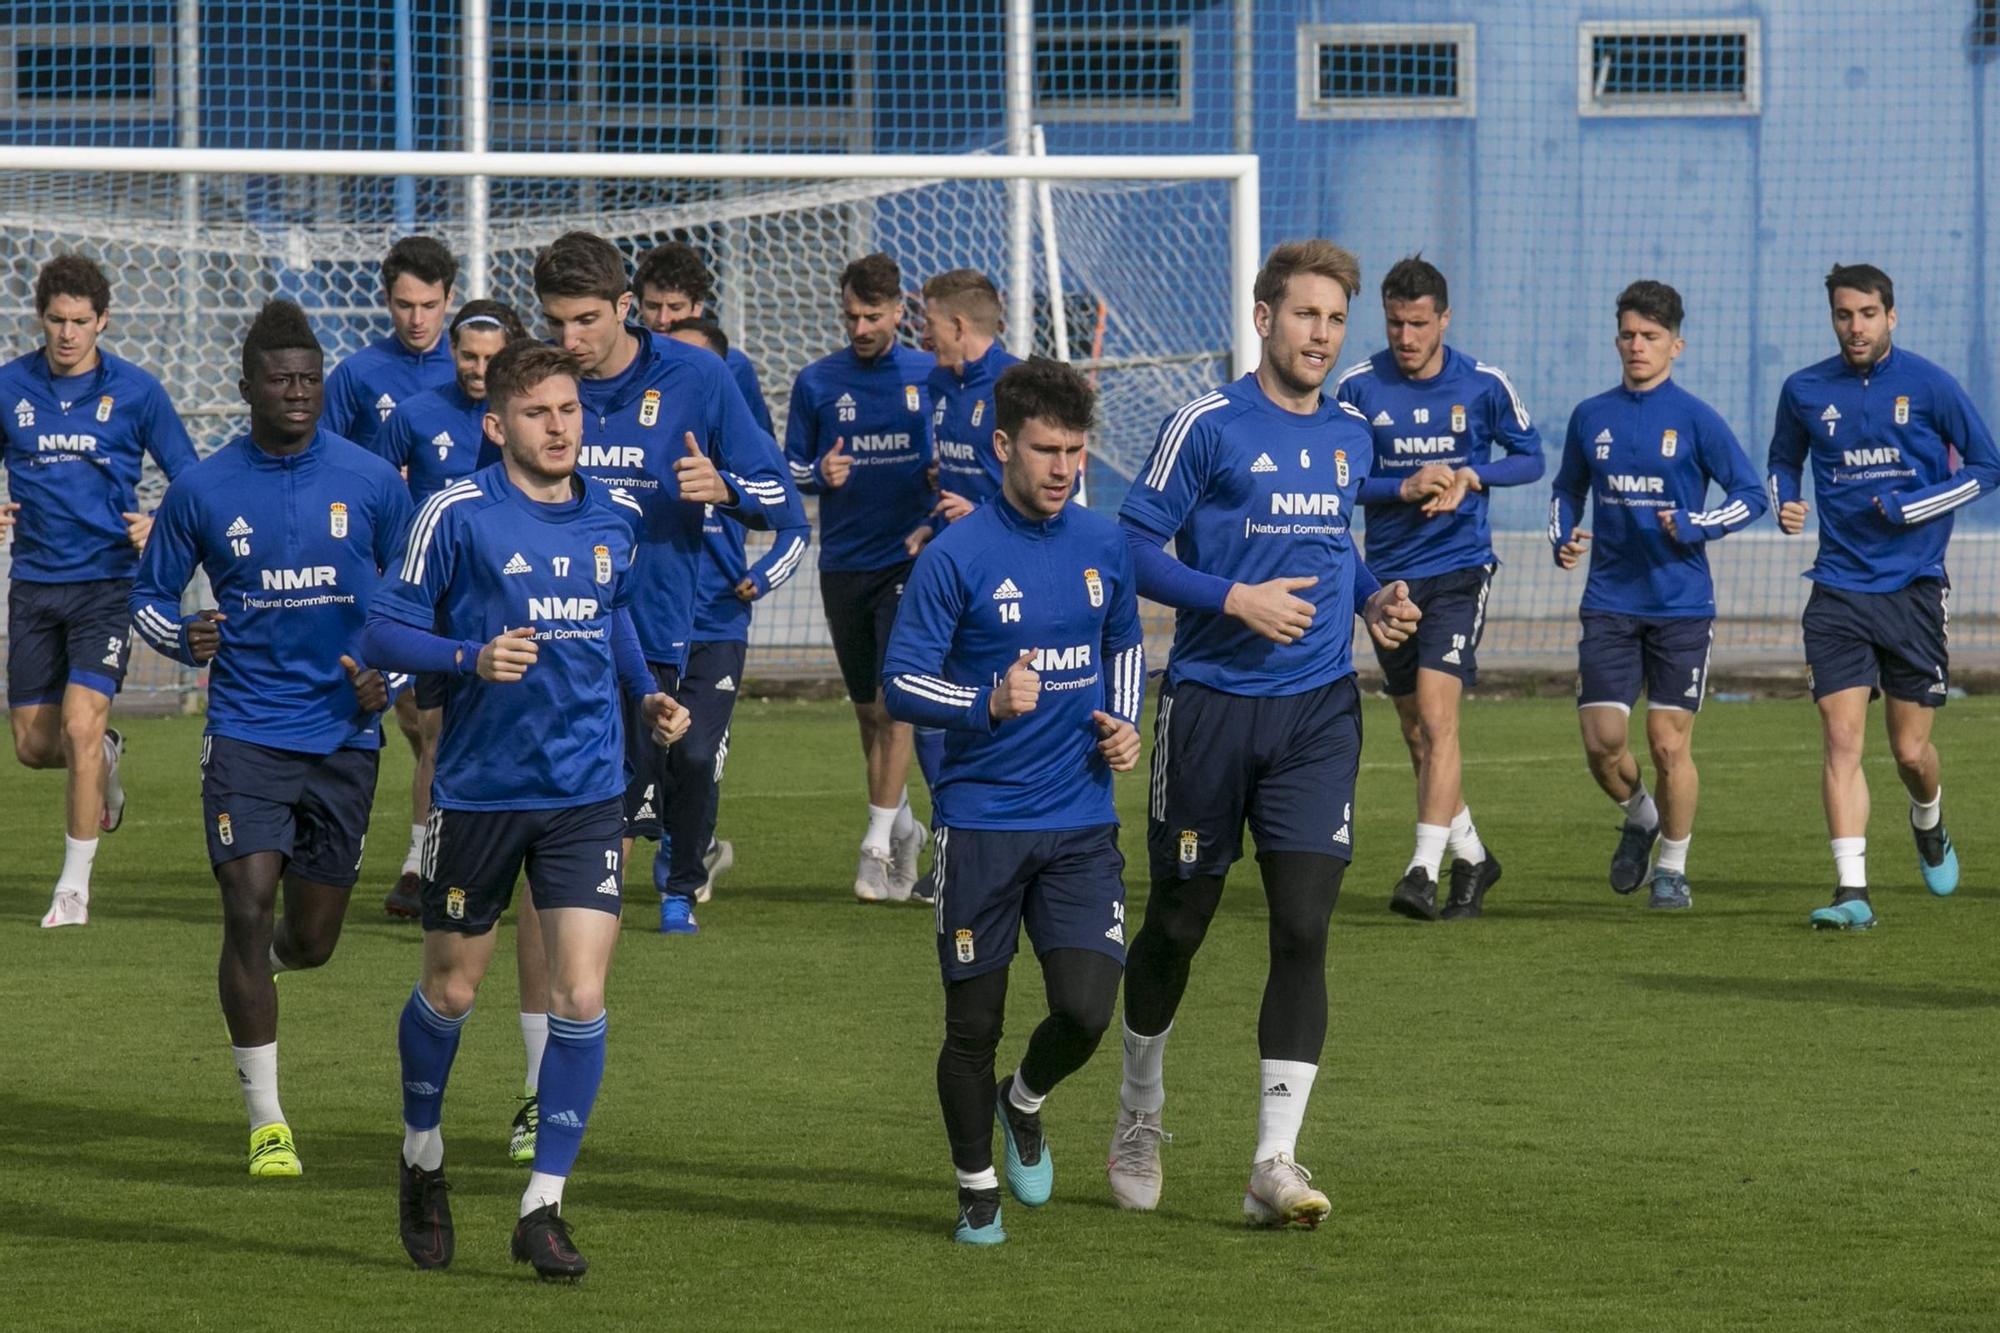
(1926, 817)
(543, 1189)
(1850, 862)
(257, 1071)
(1640, 812)
(535, 1040)
(1027, 1102)
(1284, 1086)
(977, 1180)
(415, 856)
(423, 1148)
(906, 822)
(881, 823)
(1430, 848)
(1464, 842)
(1144, 1086)
(1673, 857)
(78, 853)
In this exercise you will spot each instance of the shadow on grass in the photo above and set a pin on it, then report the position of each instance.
(1819, 991)
(42, 1222)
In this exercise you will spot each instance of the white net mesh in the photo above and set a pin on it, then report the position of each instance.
(1143, 267)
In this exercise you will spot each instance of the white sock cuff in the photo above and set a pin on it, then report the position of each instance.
(1673, 856)
(977, 1180)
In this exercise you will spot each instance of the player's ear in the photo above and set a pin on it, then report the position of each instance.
(1892, 320)
(1261, 317)
(490, 425)
(623, 307)
(1002, 446)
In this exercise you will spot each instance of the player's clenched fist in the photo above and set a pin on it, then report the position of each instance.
(1390, 615)
(1118, 741)
(700, 483)
(1018, 691)
(665, 715)
(1792, 517)
(509, 656)
(1464, 481)
(204, 636)
(1426, 483)
(371, 692)
(835, 464)
(1572, 550)
(1270, 608)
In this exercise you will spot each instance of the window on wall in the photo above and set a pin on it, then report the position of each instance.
(1669, 68)
(69, 73)
(1114, 74)
(1386, 71)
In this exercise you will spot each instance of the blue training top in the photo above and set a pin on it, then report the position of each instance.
(881, 411)
(364, 390)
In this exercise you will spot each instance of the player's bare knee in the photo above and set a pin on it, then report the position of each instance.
(1914, 755)
(82, 730)
(578, 1001)
(450, 995)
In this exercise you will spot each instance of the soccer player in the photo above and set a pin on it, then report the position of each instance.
(674, 285)
(1259, 719)
(730, 585)
(1438, 417)
(293, 526)
(362, 394)
(73, 445)
(516, 581)
(435, 438)
(1644, 454)
(1019, 633)
(859, 436)
(962, 325)
(1879, 424)
(665, 423)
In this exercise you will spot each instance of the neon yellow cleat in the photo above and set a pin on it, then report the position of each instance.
(272, 1153)
(527, 1123)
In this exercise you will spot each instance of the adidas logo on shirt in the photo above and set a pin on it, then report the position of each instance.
(565, 1117)
(518, 564)
(385, 405)
(1603, 436)
(24, 414)
(1382, 419)
(727, 683)
(1340, 836)
(239, 528)
(442, 439)
(610, 886)
(1832, 413)
(1263, 464)
(1006, 591)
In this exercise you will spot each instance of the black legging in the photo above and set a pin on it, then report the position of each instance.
(1301, 889)
(1082, 986)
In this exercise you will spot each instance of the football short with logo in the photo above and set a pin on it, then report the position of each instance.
(685, 779)
(1066, 885)
(647, 779)
(1285, 764)
(312, 809)
(59, 633)
(1618, 655)
(1894, 643)
(860, 610)
(473, 858)
(1447, 638)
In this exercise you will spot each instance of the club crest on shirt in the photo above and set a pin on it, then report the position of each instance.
(1340, 466)
(1190, 846)
(601, 557)
(916, 404)
(962, 940)
(649, 408)
(223, 831)
(978, 411)
(104, 407)
(1902, 410)
(1094, 586)
(1458, 418)
(1669, 441)
(454, 904)
(336, 518)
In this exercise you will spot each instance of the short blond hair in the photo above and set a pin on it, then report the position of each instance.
(967, 292)
(1316, 256)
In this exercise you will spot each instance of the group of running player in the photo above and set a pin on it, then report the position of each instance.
(540, 547)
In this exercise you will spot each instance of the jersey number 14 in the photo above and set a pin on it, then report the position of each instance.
(1010, 613)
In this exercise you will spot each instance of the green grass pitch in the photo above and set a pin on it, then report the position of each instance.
(1572, 1115)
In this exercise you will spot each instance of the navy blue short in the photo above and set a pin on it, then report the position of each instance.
(646, 777)
(676, 792)
(1286, 764)
(1067, 885)
(1894, 643)
(1447, 638)
(312, 809)
(64, 633)
(430, 688)
(860, 611)
(1618, 654)
(472, 859)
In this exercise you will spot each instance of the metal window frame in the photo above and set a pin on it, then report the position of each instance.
(1085, 109)
(1751, 103)
(1312, 106)
(158, 38)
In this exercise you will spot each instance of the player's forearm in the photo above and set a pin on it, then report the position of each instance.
(394, 646)
(1510, 470)
(932, 701)
(628, 655)
(1125, 695)
(1379, 490)
(782, 561)
(158, 621)
(805, 476)
(1363, 584)
(1165, 580)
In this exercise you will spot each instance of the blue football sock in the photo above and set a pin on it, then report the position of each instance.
(930, 754)
(572, 1068)
(427, 1041)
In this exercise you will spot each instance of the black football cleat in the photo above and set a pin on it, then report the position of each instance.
(1633, 858)
(1415, 896)
(1469, 884)
(426, 1216)
(542, 1239)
